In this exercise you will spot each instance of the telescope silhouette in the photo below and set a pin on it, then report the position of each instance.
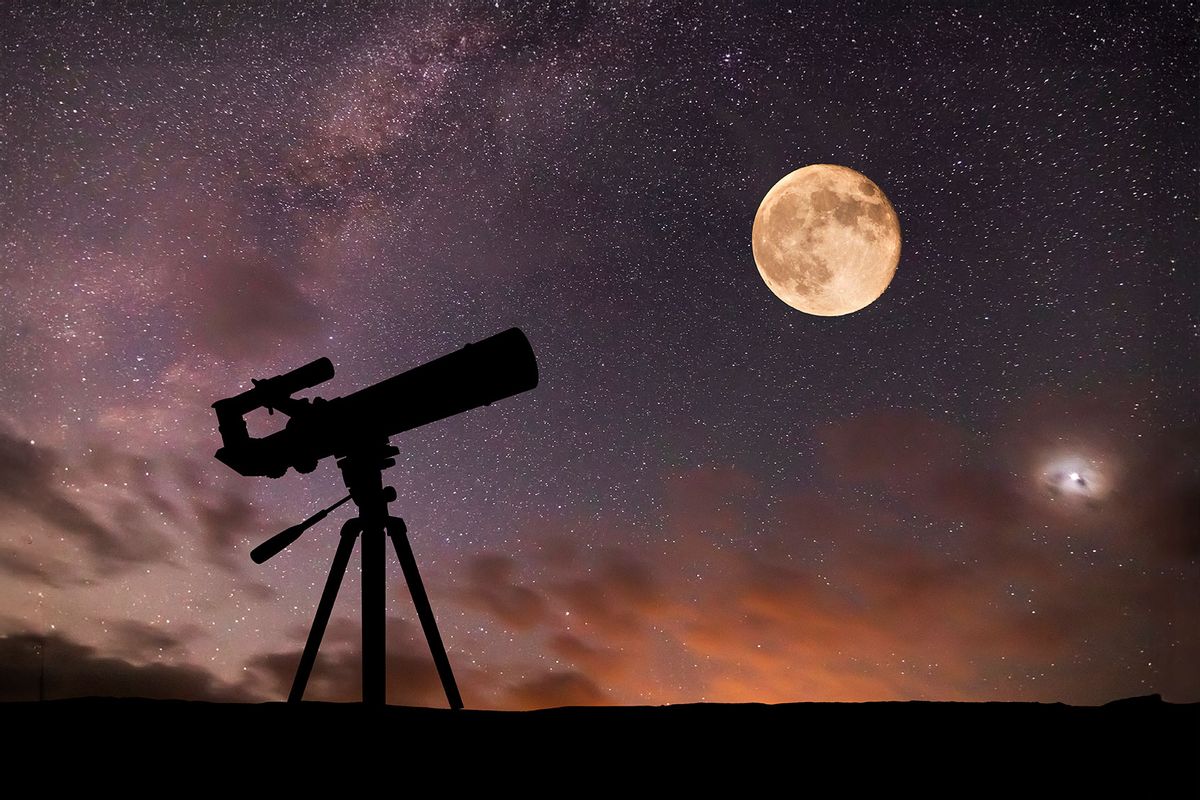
(355, 429)
(477, 375)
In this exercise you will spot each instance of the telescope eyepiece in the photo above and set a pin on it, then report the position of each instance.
(297, 380)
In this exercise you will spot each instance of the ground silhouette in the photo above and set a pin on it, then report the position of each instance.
(1141, 743)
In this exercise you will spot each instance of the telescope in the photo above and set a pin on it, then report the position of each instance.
(355, 429)
(477, 375)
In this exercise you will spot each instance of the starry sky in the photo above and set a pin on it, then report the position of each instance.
(983, 486)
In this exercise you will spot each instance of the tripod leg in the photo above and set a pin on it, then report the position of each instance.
(337, 571)
(399, 535)
(374, 614)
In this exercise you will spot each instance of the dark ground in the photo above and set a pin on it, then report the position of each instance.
(1139, 743)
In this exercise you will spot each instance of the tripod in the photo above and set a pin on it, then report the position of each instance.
(362, 470)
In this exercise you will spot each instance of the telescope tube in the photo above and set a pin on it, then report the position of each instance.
(479, 374)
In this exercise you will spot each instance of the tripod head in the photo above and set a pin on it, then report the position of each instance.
(363, 475)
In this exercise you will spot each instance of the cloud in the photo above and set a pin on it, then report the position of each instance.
(226, 517)
(602, 663)
(259, 591)
(1160, 495)
(939, 469)
(24, 565)
(620, 591)
(933, 565)
(708, 503)
(555, 689)
(248, 304)
(103, 461)
(76, 670)
(895, 448)
(492, 588)
(141, 641)
(29, 482)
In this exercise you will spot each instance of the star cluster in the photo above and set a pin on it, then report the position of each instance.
(983, 486)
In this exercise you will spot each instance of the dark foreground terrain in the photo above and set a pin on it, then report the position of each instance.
(965, 748)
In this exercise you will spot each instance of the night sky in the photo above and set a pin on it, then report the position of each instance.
(983, 486)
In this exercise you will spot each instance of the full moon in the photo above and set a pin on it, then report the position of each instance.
(826, 240)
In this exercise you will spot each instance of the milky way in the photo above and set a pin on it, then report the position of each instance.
(710, 496)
